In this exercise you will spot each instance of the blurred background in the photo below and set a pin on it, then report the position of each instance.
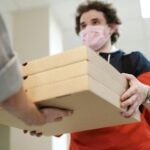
(38, 28)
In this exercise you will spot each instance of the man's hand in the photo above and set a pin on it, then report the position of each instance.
(134, 96)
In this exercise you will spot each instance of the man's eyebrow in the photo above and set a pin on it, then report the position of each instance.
(82, 23)
(95, 19)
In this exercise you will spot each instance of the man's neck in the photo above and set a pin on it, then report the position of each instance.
(107, 48)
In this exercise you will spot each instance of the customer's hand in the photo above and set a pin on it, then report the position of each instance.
(38, 134)
(23, 108)
(33, 133)
(55, 114)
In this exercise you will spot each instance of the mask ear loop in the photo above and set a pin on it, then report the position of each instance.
(108, 60)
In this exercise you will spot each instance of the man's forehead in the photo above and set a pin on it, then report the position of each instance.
(90, 15)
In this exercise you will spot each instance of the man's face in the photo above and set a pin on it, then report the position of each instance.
(93, 18)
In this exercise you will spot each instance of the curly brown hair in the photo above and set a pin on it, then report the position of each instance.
(109, 12)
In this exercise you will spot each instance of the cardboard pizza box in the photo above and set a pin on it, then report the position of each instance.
(63, 59)
(79, 80)
(98, 72)
(94, 105)
(91, 64)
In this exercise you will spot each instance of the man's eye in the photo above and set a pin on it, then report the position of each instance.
(95, 22)
(83, 26)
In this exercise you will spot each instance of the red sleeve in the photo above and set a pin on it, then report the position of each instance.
(145, 78)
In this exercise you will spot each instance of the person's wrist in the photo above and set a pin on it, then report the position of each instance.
(23, 108)
(148, 95)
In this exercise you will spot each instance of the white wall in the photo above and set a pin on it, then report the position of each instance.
(17, 139)
(9, 23)
(71, 40)
(31, 33)
(55, 40)
(56, 46)
(21, 141)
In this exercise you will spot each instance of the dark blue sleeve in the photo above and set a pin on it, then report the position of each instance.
(140, 64)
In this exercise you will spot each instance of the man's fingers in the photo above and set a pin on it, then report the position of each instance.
(131, 111)
(128, 76)
(130, 101)
(25, 131)
(131, 91)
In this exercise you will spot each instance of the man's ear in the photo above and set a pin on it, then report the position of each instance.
(113, 28)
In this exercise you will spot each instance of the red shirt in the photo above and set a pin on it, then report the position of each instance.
(135, 136)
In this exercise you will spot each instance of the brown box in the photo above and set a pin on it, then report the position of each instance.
(79, 80)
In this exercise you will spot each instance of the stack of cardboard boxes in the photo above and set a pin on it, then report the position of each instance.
(78, 80)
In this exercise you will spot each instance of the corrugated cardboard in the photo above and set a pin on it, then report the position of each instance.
(94, 105)
(78, 69)
(79, 80)
(66, 58)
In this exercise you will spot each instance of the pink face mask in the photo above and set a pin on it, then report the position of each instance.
(95, 37)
